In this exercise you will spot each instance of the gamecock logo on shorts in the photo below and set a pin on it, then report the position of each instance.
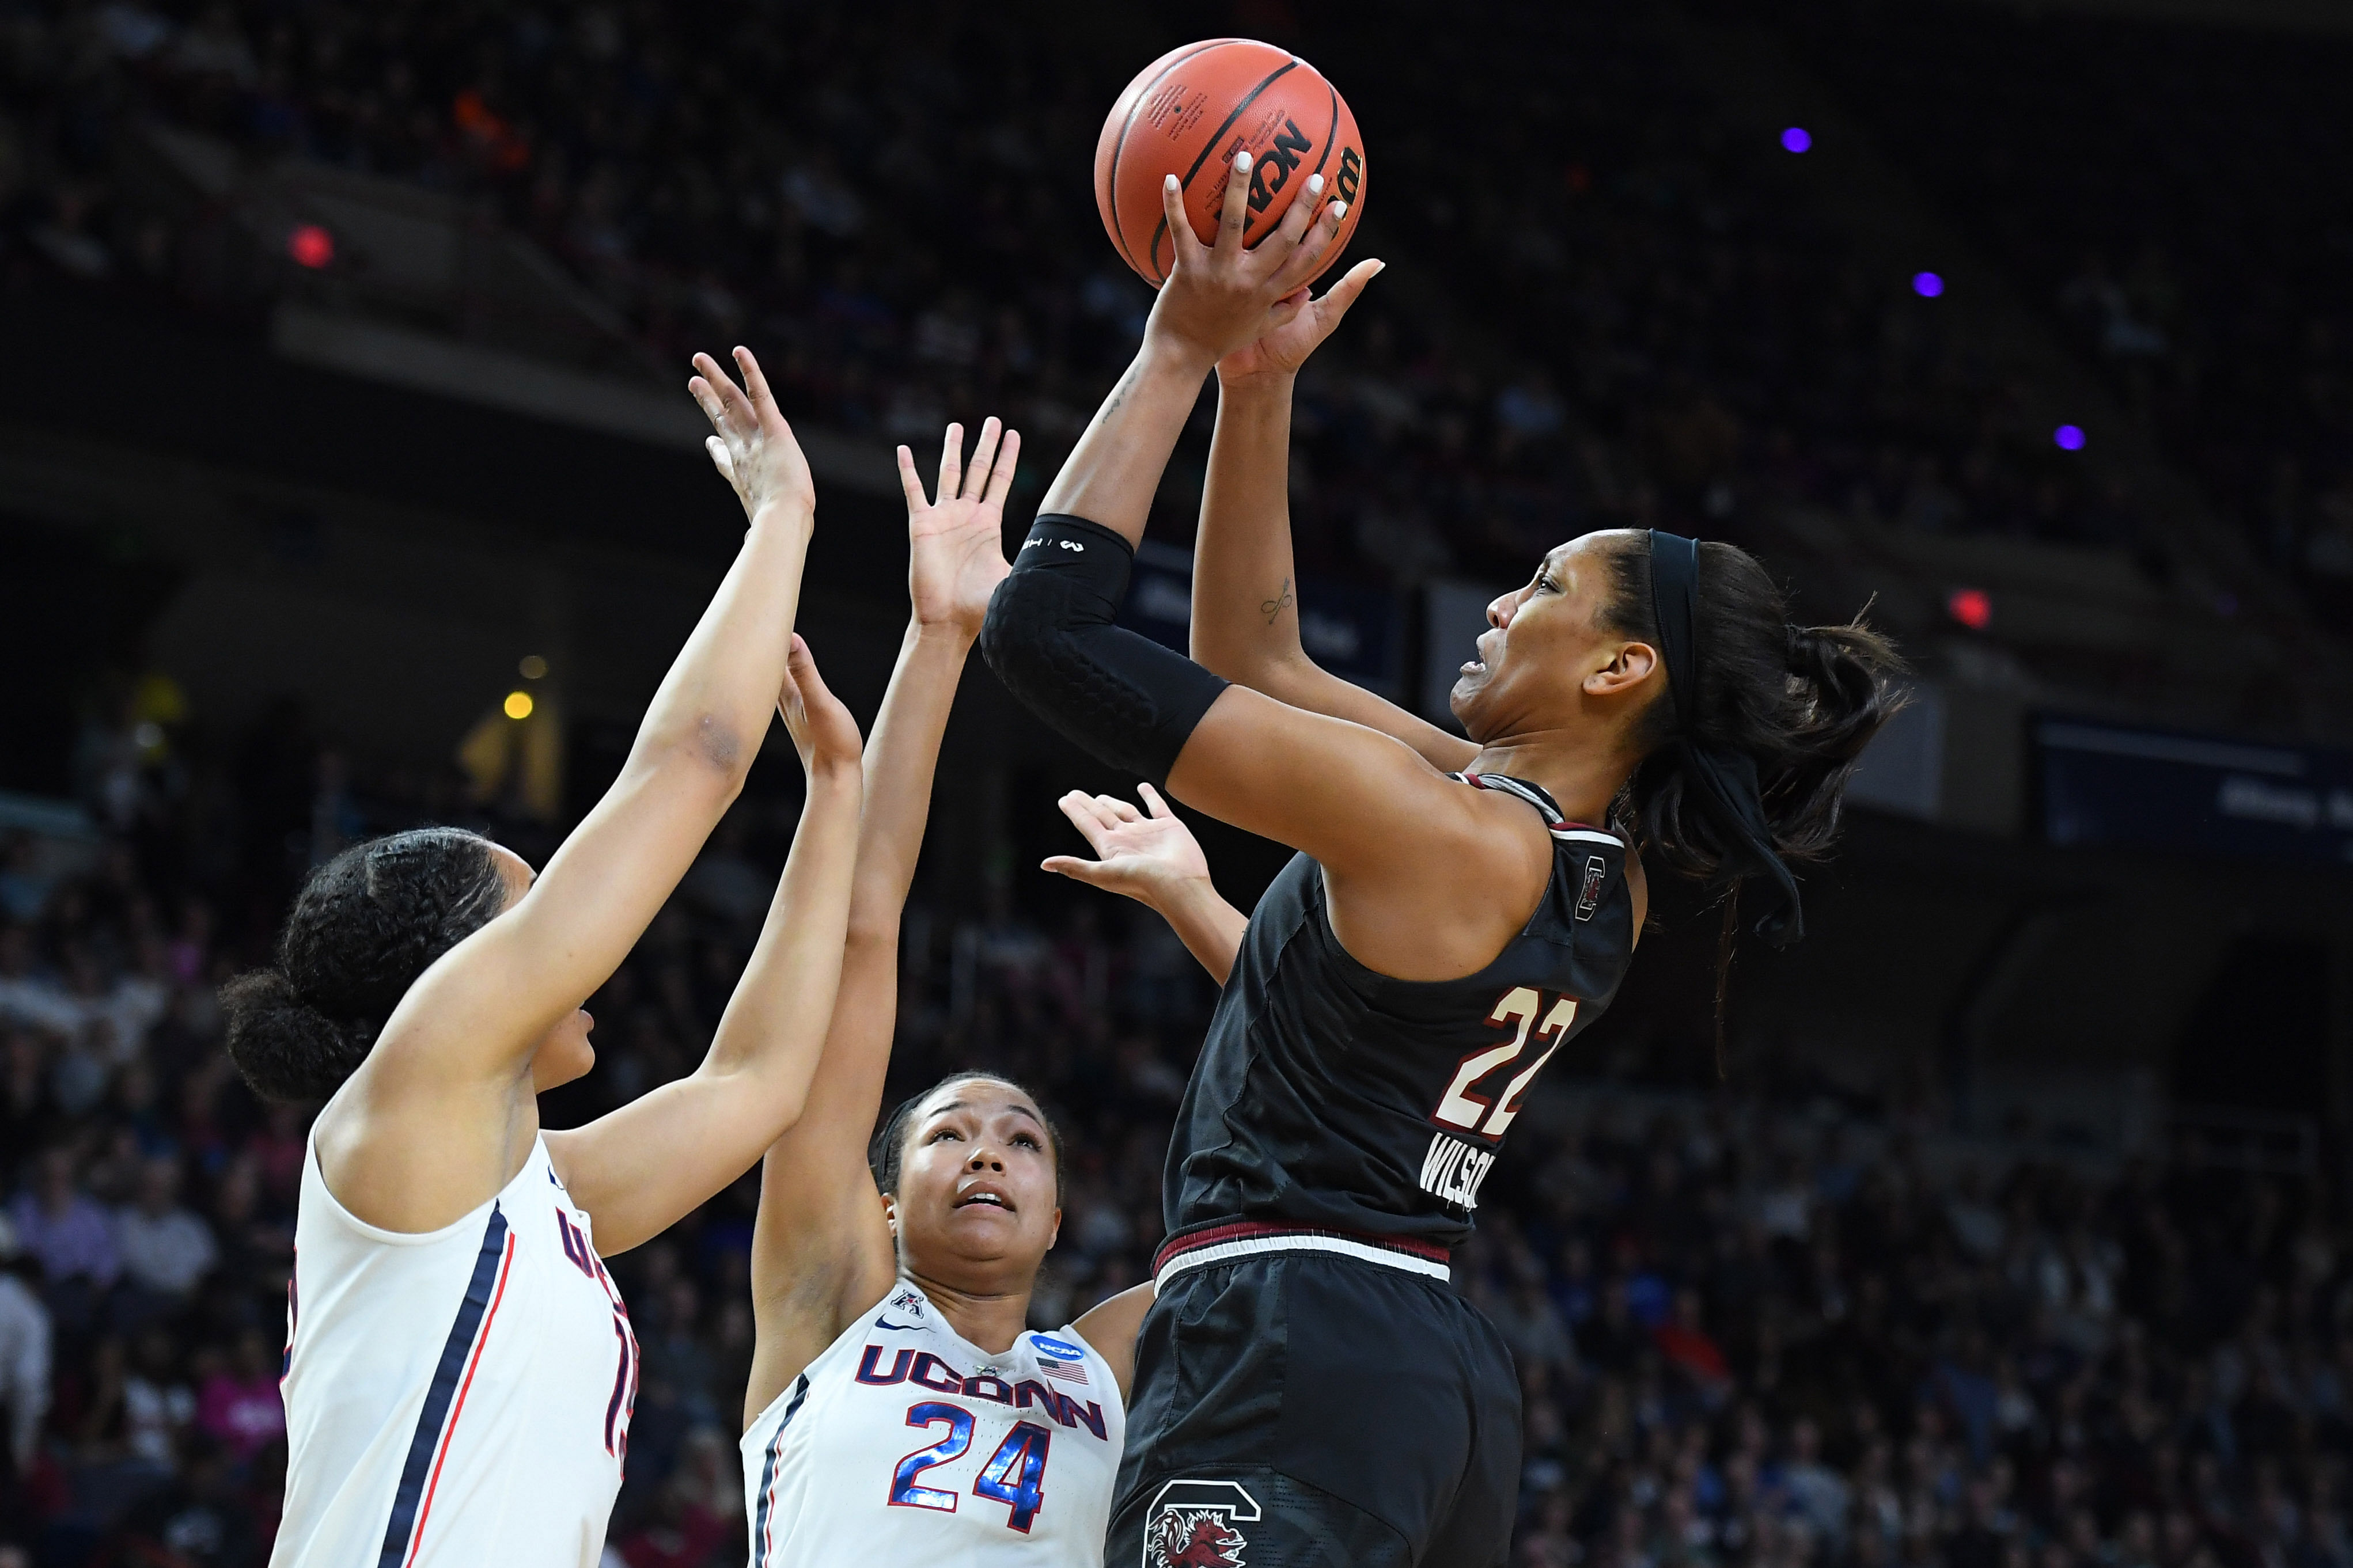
(1192, 1524)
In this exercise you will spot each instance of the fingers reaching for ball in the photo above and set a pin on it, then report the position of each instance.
(1233, 218)
(1306, 257)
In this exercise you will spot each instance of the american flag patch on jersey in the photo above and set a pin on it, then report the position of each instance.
(1068, 1370)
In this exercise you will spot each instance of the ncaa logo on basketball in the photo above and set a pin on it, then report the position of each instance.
(1196, 1524)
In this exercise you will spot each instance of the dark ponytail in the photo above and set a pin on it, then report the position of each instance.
(366, 925)
(1801, 702)
(1797, 704)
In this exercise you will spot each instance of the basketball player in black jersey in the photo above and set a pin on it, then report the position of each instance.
(1308, 1387)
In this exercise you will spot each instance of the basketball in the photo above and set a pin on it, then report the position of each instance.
(1188, 112)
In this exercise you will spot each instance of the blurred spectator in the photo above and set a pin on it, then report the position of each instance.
(239, 1404)
(24, 1356)
(158, 1405)
(165, 1247)
(198, 1519)
(68, 1234)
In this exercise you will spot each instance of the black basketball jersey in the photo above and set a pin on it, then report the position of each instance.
(1330, 1096)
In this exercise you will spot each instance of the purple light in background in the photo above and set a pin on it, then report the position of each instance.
(2070, 438)
(1795, 139)
(1927, 285)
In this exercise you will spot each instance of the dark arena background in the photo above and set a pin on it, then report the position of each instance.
(348, 482)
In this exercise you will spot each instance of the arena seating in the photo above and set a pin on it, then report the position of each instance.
(1767, 1327)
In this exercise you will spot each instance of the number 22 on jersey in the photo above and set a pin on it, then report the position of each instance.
(1453, 1169)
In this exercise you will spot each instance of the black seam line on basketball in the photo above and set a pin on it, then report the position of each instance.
(1111, 185)
(1215, 137)
(1331, 140)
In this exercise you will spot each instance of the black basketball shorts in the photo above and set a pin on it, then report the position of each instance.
(1296, 1407)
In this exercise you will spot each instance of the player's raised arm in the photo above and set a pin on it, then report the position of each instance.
(1245, 587)
(427, 1126)
(1383, 820)
(641, 1169)
(822, 1250)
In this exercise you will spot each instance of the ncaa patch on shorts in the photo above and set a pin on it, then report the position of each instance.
(1197, 1524)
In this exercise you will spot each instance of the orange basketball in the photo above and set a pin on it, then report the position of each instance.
(1189, 113)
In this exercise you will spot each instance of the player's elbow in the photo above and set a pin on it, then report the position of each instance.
(760, 1088)
(1272, 672)
(703, 751)
(1224, 657)
(871, 931)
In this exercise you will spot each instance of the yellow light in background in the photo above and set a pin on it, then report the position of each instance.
(518, 705)
(533, 667)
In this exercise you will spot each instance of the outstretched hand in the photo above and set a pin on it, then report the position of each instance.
(753, 446)
(1296, 327)
(1216, 296)
(955, 545)
(822, 730)
(1152, 859)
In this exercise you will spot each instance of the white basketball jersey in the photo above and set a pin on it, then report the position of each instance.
(453, 1399)
(905, 1443)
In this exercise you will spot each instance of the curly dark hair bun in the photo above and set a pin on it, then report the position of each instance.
(366, 925)
(286, 1048)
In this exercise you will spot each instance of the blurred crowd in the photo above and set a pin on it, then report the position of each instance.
(1604, 308)
(1752, 1332)
(2152, 187)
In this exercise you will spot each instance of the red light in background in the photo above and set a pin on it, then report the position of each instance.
(311, 246)
(1970, 607)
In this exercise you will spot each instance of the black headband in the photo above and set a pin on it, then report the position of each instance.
(1720, 781)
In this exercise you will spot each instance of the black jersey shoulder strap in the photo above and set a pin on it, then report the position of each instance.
(1581, 877)
(1556, 822)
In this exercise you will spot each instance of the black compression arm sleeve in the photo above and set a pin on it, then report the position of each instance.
(1121, 697)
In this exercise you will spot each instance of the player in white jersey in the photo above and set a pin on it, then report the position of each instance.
(459, 1367)
(900, 1411)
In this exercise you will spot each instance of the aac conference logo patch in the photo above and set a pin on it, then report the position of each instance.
(1195, 1524)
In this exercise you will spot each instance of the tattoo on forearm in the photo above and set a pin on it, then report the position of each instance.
(1272, 608)
(1119, 392)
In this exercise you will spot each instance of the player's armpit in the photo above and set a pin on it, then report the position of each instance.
(1110, 1326)
(821, 1249)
